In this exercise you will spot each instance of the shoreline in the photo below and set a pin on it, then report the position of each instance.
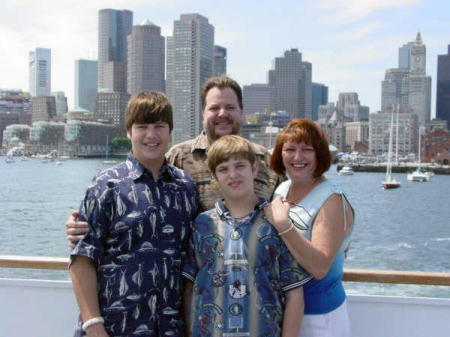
(381, 168)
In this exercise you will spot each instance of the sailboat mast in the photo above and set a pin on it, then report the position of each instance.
(389, 169)
(420, 150)
(107, 148)
(396, 136)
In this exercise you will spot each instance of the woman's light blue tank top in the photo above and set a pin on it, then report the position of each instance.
(327, 294)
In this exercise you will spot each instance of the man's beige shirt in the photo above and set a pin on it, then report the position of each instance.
(191, 157)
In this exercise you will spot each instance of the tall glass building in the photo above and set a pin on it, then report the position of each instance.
(292, 78)
(443, 88)
(40, 72)
(190, 59)
(146, 59)
(319, 94)
(113, 28)
(85, 84)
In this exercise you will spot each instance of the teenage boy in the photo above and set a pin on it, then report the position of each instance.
(126, 269)
(245, 282)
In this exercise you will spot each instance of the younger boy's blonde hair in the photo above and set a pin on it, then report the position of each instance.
(227, 147)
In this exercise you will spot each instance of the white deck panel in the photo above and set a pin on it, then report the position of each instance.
(36, 308)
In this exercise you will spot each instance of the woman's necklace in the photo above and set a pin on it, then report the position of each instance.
(303, 191)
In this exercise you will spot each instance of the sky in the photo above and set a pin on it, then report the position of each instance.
(350, 43)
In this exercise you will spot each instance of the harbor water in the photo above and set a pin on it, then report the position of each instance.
(402, 229)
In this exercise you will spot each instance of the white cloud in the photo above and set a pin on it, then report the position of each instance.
(68, 28)
(355, 41)
(362, 31)
(343, 12)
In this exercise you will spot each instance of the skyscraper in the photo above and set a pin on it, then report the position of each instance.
(419, 95)
(40, 72)
(292, 78)
(85, 84)
(113, 28)
(409, 87)
(404, 55)
(443, 88)
(395, 89)
(146, 59)
(190, 58)
(220, 61)
(259, 98)
(319, 94)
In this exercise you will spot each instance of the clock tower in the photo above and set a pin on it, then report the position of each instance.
(418, 57)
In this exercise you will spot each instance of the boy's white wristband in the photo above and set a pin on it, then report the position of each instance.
(92, 321)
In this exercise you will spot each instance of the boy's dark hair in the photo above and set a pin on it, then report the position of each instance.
(221, 82)
(148, 107)
(227, 147)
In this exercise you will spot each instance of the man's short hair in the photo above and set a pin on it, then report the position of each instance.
(221, 82)
(148, 107)
(229, 146)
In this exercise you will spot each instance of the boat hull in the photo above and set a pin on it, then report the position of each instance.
(346, 171)
(418, 177)
(388, 186)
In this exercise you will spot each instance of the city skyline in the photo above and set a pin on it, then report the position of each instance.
(349, 43)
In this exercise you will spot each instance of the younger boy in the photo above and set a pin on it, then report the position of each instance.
(126, 270)
(245, 281)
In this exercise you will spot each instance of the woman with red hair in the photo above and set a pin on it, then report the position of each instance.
(315, 220)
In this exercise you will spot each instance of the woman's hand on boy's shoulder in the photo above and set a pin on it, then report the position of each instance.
(276, 212)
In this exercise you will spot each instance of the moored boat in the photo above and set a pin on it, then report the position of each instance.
(419, 175)
(389, 181)
(346, 171)
(9, 159)
(390, 184)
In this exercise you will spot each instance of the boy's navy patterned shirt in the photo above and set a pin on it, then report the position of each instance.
(138, 235)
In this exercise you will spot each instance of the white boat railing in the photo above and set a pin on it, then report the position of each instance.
(43, 308)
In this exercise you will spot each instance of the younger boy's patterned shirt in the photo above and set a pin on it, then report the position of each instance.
(138, 236)
(240, 270)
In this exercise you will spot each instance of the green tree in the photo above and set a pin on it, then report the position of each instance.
(120, 144)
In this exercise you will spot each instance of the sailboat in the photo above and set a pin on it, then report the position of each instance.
(419, 175)
(389, 181)
(10, 156)
(108, 161)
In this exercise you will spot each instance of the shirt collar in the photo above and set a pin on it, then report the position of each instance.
(201, 142)
(223, 211)
(137, 170)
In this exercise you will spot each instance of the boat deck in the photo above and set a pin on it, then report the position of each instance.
(41, 308)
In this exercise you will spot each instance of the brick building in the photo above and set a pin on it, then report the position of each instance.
(437, 146)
